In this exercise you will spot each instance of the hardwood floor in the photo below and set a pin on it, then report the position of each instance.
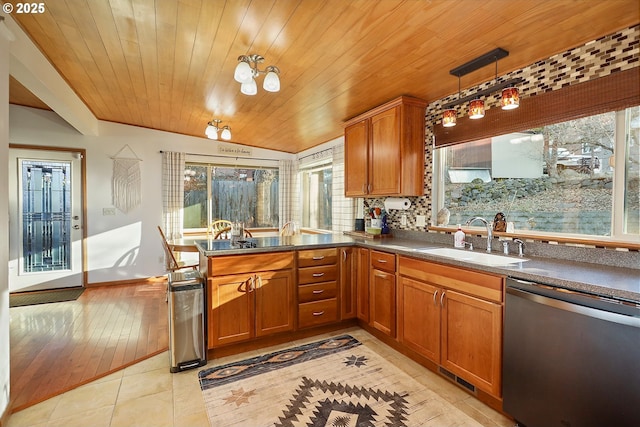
(57, 347)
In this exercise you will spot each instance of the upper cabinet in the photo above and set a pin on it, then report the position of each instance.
(384, 150)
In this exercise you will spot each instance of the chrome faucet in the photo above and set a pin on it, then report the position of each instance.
(489, 230)
(520, 246)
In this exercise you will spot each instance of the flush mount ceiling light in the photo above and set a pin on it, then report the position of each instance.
(213, 127)
(510, 96)
(247, 71)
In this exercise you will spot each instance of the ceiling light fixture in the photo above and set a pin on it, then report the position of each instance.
(510, 96)
(247, 71)
(213, 127)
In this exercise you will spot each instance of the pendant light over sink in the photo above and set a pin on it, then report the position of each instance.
(510, 98)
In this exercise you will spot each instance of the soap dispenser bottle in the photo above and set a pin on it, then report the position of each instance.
(458, 238)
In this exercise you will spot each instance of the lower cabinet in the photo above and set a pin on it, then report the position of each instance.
(453, 317)
(348, 290)
(382, 292)
(363, 266)
(246, 301)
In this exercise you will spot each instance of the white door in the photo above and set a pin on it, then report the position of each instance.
(45, 220)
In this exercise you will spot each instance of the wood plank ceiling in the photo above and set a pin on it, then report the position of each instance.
(168, 65)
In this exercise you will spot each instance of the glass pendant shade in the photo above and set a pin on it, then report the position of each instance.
(449, 118)
(249, 88)
(243, 73)
(510, 98)
(211, 132)
(226, 133)
(476, 109)
(271, 82)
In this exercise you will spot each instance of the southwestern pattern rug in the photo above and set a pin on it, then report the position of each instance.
(336, 382)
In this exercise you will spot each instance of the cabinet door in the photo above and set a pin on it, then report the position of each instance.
(384, 165)
(232, 309)
(348, 291)
(471, 340)
(419, 317)
(383, 301)
(362, 284)
(356, 146)
(275, 309)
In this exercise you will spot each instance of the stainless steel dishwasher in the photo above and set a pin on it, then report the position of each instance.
(570, 359)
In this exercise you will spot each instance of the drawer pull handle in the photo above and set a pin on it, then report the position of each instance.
(318, 313)
(382, 261)
(318, 258)
(318, 291)
(442, 299)
(435, 296)
(318, 274)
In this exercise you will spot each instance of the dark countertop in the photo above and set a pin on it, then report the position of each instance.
(607, 281)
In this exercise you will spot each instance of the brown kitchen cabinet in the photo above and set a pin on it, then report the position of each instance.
(318, 296)
(362, 284)
(348, 290)
(382, 292)
(250, 296)
(384, 150)
(453, 316)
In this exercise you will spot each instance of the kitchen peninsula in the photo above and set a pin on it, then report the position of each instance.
(276, 289)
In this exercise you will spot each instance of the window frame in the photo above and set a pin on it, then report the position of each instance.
(618, 194)
(231, 164)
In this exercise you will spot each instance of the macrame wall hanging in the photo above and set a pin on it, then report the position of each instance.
(126, 193)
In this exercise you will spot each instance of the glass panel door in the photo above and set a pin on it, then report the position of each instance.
(45, 232)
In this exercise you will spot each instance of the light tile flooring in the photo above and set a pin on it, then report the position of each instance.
(147, 394)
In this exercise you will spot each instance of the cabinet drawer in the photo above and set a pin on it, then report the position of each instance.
(324, 273)
(317, 313)
(236, 264)
(312, 257)
(317, 291)
(383, 261)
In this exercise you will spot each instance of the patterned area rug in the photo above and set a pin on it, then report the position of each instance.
(44, 297)
(337, 382)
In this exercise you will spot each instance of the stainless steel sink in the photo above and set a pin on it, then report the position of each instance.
(481, 258)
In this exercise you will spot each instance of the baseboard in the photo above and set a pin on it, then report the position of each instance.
(141, 281)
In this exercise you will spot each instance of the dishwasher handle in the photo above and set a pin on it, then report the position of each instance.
(576, 303)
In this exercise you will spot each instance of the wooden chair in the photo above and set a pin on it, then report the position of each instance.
(289, 229)
(218, 225)
(223, 233)
(171, 263)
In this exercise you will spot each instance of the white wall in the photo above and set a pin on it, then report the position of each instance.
(4, 227)
(124, 246)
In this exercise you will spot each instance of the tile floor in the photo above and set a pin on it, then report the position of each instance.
(147, 394)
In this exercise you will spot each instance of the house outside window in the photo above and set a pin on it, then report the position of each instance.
(579, 177)
(247, 194)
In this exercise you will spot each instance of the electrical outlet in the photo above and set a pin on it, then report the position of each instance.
(403, 220)
(421, 220)
(108, 211)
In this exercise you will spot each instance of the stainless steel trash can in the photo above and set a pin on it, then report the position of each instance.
(187, 346)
